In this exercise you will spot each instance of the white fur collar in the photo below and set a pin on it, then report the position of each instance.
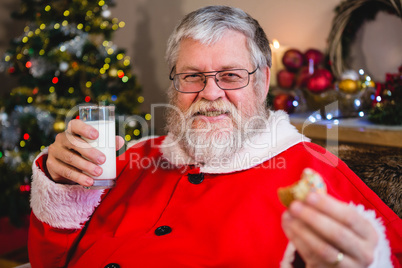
(276, 138)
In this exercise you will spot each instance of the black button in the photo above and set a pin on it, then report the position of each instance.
(196, 178)
(112, 265)
(162, 230)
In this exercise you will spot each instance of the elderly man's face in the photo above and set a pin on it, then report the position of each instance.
(230, 52)
(216, 121)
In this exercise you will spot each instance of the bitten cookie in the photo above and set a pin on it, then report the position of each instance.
(310, 181)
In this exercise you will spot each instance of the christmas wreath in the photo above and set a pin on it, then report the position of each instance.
(350, 16)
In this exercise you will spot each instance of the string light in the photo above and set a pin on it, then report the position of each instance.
(26, 136)
(25, 39)
(37, 31)
(71, 90)
(66, 13)
(80, 26)
(25, 188)
(48, 8)
(136, 132)
(140, 99)
(42, 52)
(42, 147)
(35, 91)
(87, 99)
(55, 80)
(22, 143)
(120, 74)
(114, 98)
(64, 23)
(56, 26)
(122, 24)
(42, 26)
(124, 79)
(51, 89)
(148, 117)
(127, 137)
(30, 100)
(28, 64)
(119, 56)
(101, 3)
(115, 27)
(7, 58)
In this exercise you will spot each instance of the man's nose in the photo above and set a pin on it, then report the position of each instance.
(211, 91)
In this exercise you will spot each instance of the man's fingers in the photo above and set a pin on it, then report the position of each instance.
(119, 142)
(80, 128)
(342, 213)
(314, 250)
(335, 232)
(83, 148)
(75, 160)
(61, 172)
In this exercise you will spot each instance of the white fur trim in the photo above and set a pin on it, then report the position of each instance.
(382, 252)
(60, 205)
(279, 136)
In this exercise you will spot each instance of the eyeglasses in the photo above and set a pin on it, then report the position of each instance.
(196, 82)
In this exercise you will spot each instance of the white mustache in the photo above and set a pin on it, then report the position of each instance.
(211, 108)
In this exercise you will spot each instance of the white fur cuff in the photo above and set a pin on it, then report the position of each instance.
(60, 205)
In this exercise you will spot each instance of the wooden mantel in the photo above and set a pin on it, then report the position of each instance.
(357, 130)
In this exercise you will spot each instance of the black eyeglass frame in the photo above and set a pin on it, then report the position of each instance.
(215, 79)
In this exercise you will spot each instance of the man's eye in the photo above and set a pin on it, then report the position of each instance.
(192, 77)
(230, 75)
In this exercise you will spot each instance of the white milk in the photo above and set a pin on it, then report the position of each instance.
(106, 143)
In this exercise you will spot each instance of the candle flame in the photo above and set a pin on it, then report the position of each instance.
(275, 43)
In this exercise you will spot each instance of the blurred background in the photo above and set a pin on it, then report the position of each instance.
(119, 60)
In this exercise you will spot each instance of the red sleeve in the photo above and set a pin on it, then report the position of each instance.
(360, 193)
(48, 246)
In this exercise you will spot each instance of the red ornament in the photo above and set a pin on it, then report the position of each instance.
(315, 55)
(284, 102)
(303, 76)
(293, 59)
(320, 81)
(55, 80)
(286, 79)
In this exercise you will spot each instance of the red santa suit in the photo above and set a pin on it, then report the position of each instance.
(167, 211)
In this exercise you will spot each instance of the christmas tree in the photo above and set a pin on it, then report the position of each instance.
(63, 58)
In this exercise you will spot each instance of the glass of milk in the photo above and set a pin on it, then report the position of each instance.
(102, 118)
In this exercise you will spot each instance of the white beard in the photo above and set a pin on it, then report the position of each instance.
(207, 141)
